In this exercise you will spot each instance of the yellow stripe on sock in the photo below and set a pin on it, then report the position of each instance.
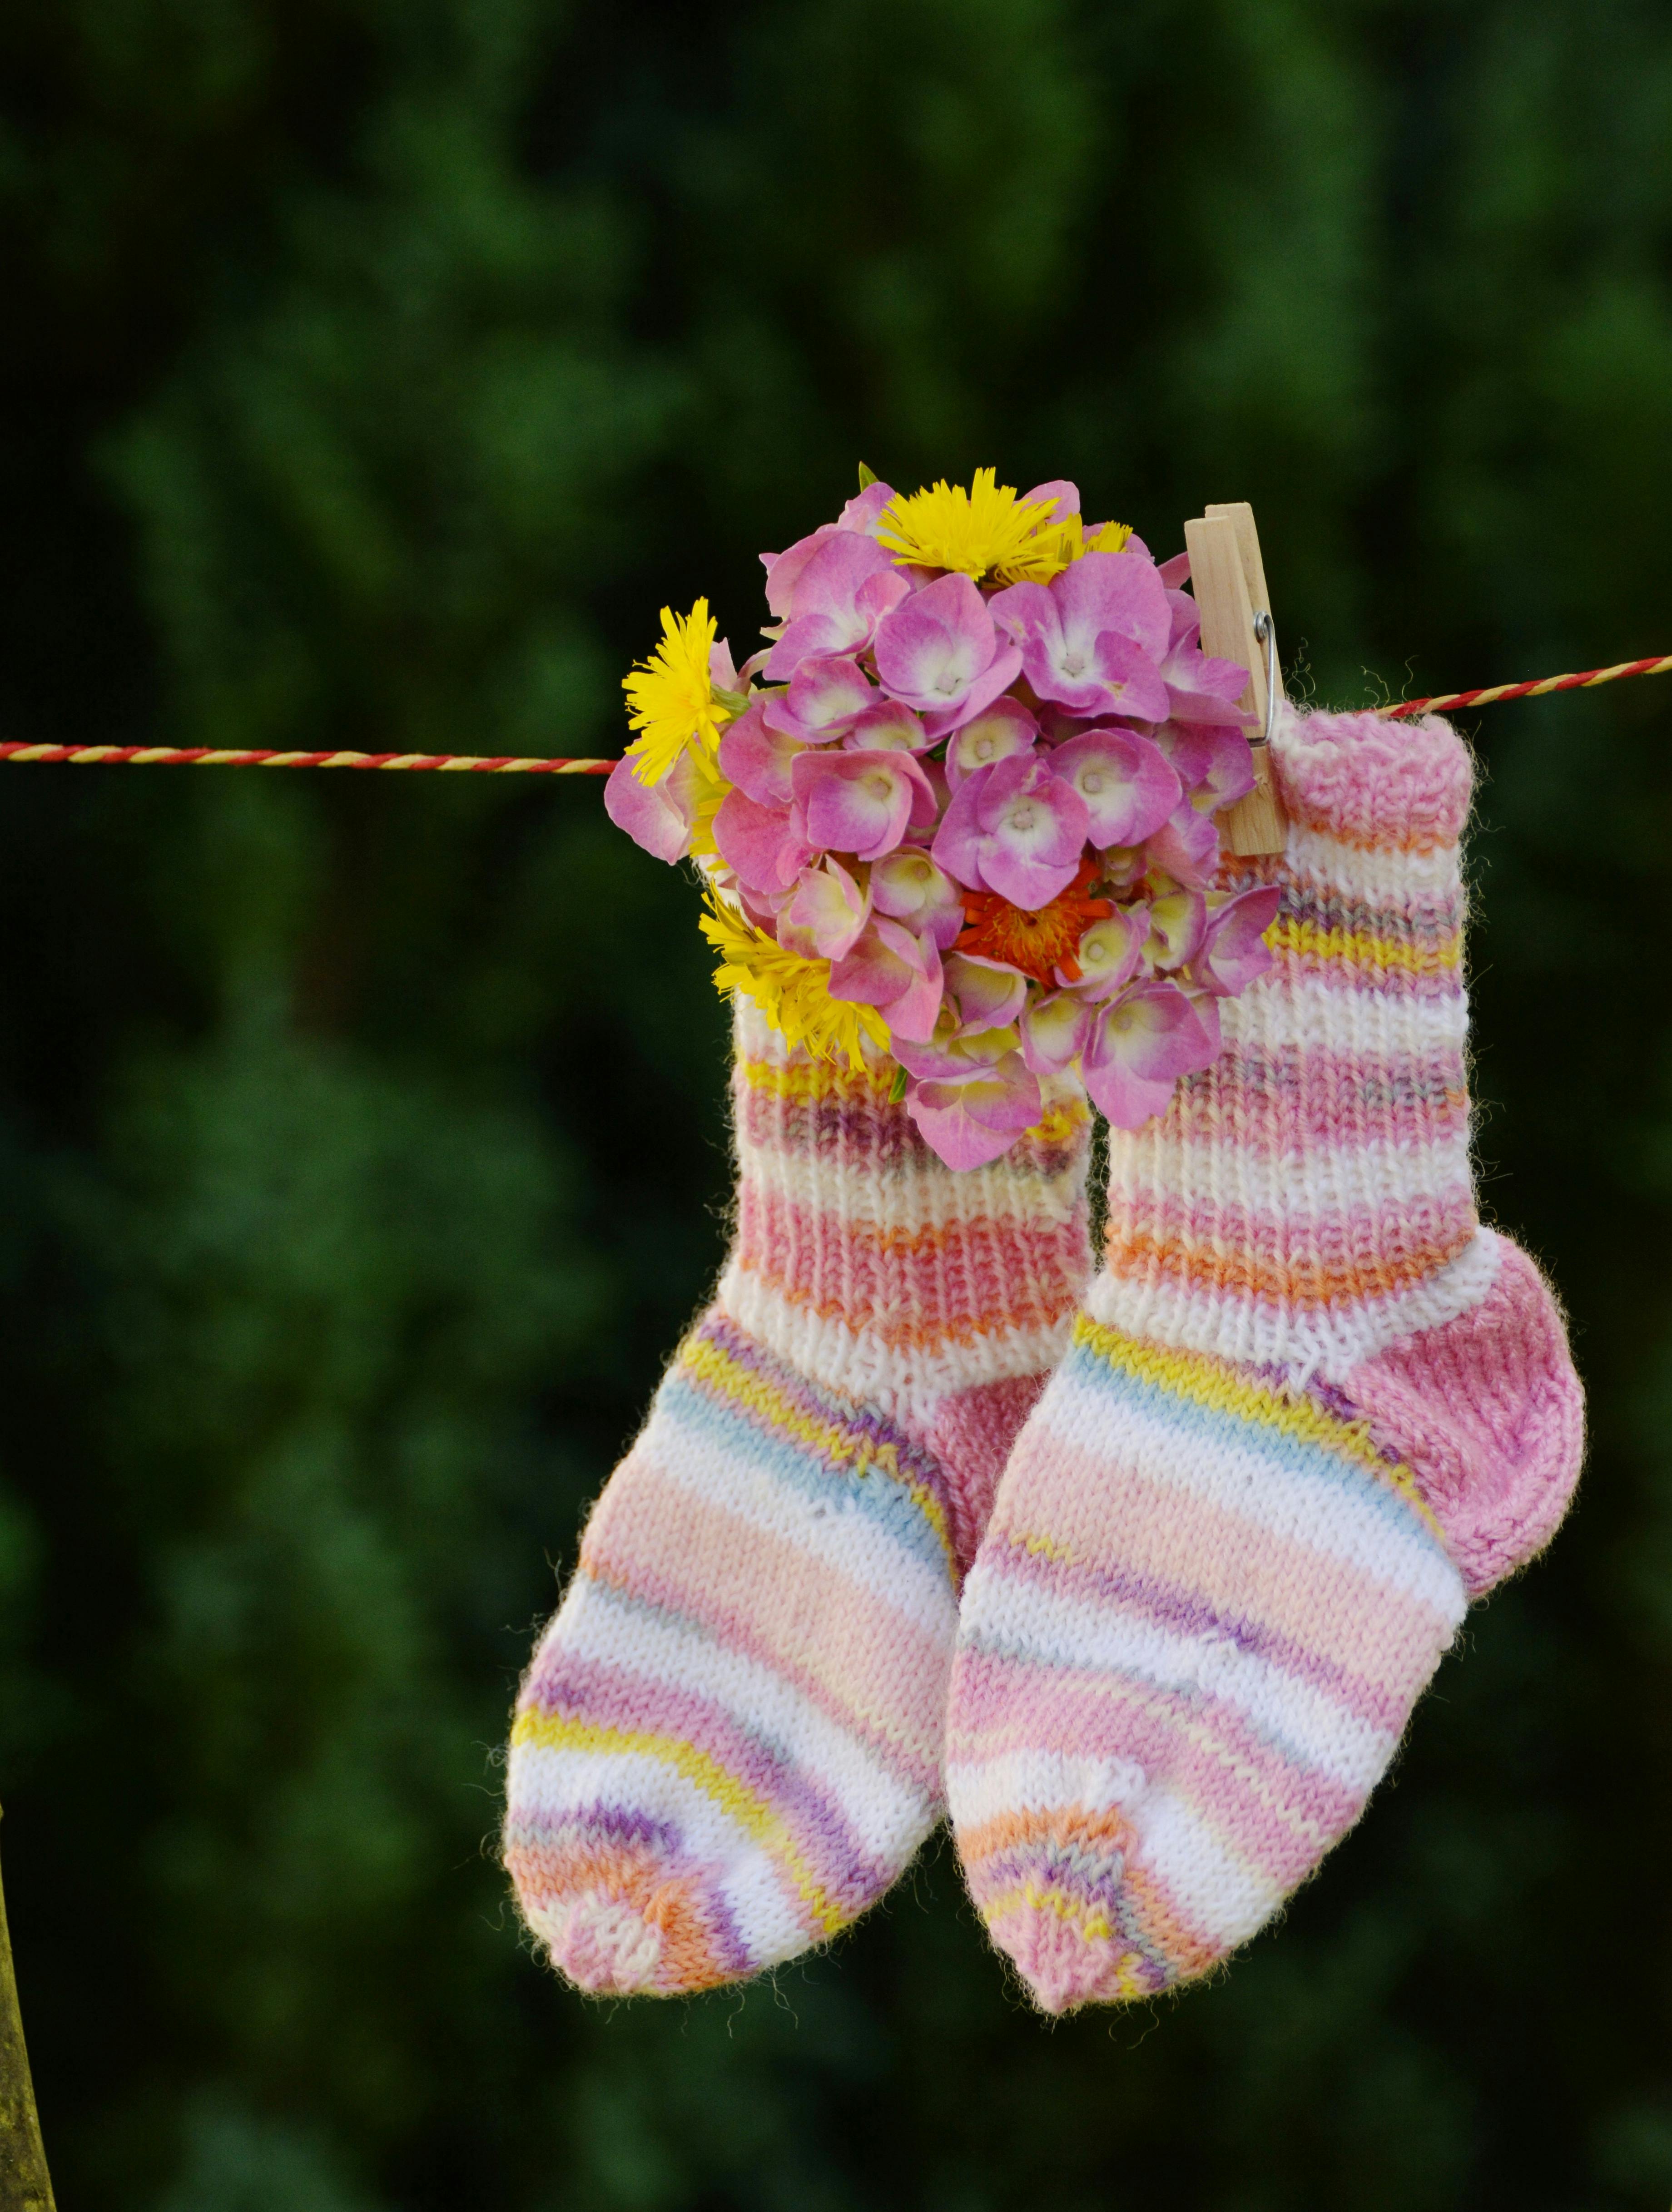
(710, 1364)
(1221, 1387)
(751, 1812)
(1364, 949)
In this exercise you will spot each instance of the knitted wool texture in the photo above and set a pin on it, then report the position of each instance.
(729, 1742)
(1311, 1408)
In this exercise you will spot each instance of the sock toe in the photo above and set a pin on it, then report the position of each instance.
(624, 1918)
(601, 1943)
(1053, 1891)
(1062, 1961)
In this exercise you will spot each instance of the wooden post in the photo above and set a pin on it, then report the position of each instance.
(25, 2184)
(1228, 578)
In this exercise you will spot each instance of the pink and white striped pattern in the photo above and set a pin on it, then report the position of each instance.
(728, 1744)
(1312, 1406)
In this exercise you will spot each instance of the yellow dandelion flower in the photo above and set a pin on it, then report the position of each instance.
(1050, 550)
(670, 697)
(973, 532)
(709, 788)
(792, 992)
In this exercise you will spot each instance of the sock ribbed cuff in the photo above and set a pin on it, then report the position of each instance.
(874, 1269)
(1309, 1199)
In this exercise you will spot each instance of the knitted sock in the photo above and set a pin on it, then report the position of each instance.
(1312, 1408)
(729, 1743)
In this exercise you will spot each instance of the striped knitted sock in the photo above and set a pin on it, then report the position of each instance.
(1312, 1408)
(729, 1743)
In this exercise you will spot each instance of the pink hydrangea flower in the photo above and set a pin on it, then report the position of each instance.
(1206, 1008)
(1108, 954)
(971, 1094)
(975, 1121)
(1138, 1048)
(657, 815)
(845, 589)
(1186, 846)
(760, 843)
(989, 995)
(1211, 760)
(823, 920)
(1054, 1030)
(998, 731)
(1058, 494)
(1092, 638)
(1014, 829)
(939, 652)
(897, 972)
(827, 694)
(860, 803)
(783, 570)
(758, 758)
(1127, 786)
(1233, 952)
(1178, 926)
(887, 727)
(1199, 688)
(907, 886)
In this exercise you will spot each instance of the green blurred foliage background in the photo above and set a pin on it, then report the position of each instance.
(373, 370)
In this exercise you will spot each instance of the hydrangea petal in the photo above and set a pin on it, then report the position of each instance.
(861, 802)
(908, 887)
(827, 694)
(1186, 846)
(846, 585)
(758, 843)
(1054, 1031)
(970, 1123)
(758, 759)
(1178, 923)
(650, 813)
(1213, 761)
(1091, 638)
(1118, 593)
(989, 995)
(932, 648)
(1234, 952)
(1006, 667)
(824, 919)
(1000, 728)
(1125, 781)
(898, 973)
(1138, 1050)
(1200, 688)
(888, 726)
(863, 511)
(1108, 955)
(1015, 829)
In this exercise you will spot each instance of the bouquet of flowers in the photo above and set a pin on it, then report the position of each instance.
(961, 810)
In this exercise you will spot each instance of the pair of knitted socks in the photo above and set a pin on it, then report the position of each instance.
(1149, 1615)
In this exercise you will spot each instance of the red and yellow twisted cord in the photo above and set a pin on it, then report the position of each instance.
(1446, 701)
(209, 756)
(508, 764)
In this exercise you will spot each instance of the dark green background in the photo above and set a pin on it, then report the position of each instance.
(374, 371)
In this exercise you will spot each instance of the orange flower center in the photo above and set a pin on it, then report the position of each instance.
(1035, 943)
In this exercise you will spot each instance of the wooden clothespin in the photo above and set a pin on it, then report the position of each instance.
(1229, 580)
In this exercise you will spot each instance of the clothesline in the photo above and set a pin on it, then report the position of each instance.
(1445, 702)
(508, 764)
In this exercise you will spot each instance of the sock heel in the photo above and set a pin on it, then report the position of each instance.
(1488, 1414)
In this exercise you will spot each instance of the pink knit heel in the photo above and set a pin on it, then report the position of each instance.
(1489, 1416)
